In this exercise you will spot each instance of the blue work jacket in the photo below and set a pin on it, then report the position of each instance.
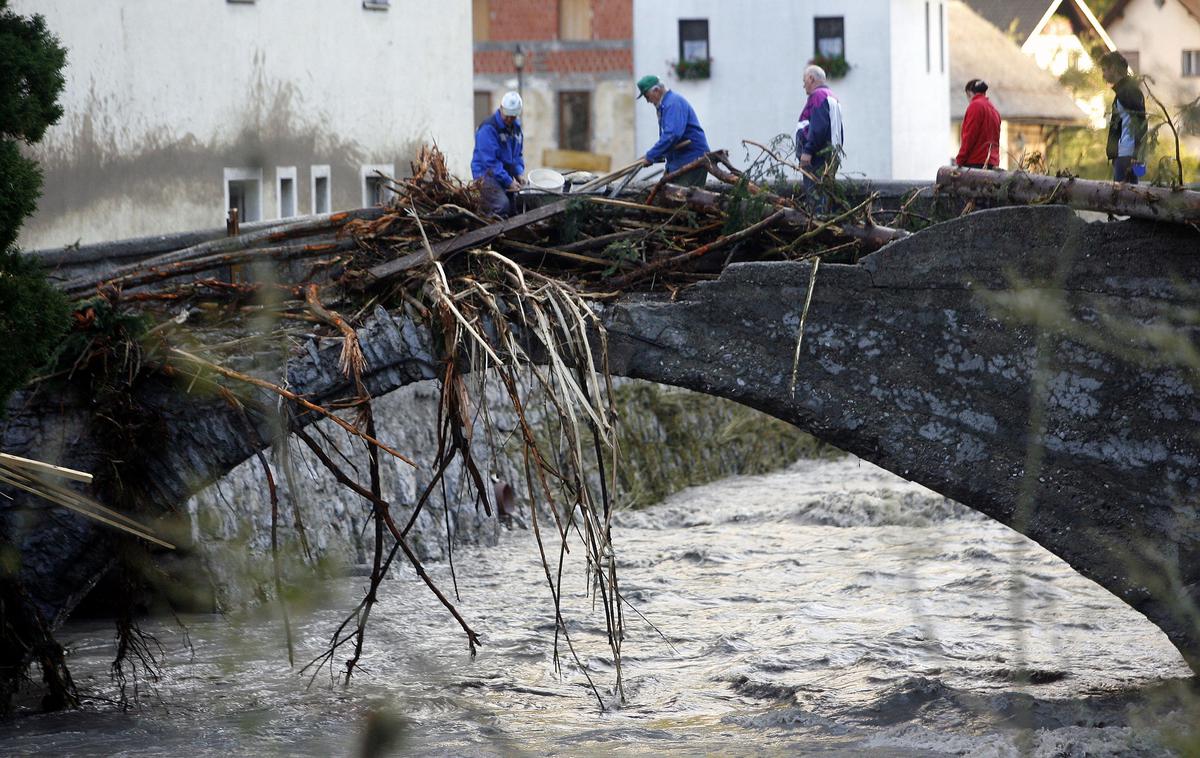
(677, 122)
(499, 150)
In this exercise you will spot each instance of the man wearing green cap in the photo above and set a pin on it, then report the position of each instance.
(677, 124)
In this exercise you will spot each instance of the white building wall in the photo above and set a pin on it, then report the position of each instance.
(163, 95)
(920, 63)
(759, 50)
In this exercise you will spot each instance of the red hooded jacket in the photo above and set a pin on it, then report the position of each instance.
(980, 134)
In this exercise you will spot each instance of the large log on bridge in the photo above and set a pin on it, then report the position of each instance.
(1019, 188)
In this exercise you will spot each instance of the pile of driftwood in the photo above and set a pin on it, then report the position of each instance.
(660, 237)
(663, 236)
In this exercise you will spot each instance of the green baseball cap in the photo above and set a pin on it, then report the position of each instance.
(647, 83)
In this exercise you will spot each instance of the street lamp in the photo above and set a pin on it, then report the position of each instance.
(519, 65)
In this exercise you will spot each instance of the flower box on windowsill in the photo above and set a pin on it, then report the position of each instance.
(835, 66)
(700, 68)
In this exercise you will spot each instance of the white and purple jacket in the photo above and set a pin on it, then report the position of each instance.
(820, 126)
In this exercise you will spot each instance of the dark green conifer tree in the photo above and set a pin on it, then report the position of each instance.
(33, 315)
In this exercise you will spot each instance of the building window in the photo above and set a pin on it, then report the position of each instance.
(575, 121)
(574, 19)
(829, 37)
(321, 191)
(481, 20)
(376, 5)
(483, 107)
(241, 2)
(243, 191)
(1191, 62)
(285, 190)
(693, 39)
(375, 183)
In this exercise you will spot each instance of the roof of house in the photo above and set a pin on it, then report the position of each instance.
(1018, 17)
(1024, 18)
(1019, 89)
(1118, 9)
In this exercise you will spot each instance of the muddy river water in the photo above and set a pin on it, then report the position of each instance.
(829, 609)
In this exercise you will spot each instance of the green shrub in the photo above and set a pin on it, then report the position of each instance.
(33, 318)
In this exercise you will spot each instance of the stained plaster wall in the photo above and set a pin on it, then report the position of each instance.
(162, 95)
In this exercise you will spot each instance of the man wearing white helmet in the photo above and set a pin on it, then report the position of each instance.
(499, 159)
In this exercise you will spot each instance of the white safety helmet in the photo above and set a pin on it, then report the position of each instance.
(510, 104)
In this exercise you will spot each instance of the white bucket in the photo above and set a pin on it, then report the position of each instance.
(546, 179)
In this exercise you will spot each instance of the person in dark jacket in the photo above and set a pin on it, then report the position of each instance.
(499, 158)
(980, 143)
(1127, 124)
(677, 123)
(819, 132)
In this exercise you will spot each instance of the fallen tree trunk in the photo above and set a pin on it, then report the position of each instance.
(1019, 188)
(324, 245)
(870, 238)
(303, 227)
(149, 246)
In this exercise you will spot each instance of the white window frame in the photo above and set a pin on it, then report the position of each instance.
(243, 174)
(368, 172)
(283, 173)
(321, 171)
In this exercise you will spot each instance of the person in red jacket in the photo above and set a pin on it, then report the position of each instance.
(980, 146)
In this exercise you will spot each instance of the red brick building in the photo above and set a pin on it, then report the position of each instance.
(572, 60)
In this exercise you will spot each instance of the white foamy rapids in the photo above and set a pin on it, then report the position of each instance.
(844, 493)
(829, 608)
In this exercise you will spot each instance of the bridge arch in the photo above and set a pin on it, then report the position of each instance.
(1008, 360)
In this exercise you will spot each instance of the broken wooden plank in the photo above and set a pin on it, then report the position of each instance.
(28, 464)
(1178, 206)
(471, 239)
(578, 160)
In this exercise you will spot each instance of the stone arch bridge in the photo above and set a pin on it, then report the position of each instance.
(1037, 368)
